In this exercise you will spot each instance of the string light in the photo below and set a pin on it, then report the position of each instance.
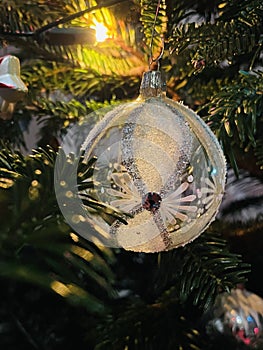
(101, 32)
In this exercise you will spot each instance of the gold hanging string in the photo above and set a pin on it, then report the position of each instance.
(158, 58)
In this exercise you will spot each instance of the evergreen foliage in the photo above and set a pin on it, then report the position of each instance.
(60, 291)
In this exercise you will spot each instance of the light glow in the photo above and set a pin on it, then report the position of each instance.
(101, 32)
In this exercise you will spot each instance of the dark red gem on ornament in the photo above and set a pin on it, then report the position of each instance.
(199, 64)
(151, 201)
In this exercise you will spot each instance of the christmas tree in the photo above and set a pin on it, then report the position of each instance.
(61, 291)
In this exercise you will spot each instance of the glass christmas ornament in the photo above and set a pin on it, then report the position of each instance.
(238, 314)
(159, 162)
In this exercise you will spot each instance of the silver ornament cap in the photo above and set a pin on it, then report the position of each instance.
(152, 85)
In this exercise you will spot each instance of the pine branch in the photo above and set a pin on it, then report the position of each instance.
(20, 16)
(206, 267)
(136, 325)
(52, 77)
(33, 219)
(27, 17)
(224, 42)
(79, 17)
(235, 113)
(153, 31)
(229, 36)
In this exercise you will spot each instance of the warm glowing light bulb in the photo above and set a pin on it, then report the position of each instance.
(101, 32)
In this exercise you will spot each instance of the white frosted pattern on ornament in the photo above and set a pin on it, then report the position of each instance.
(158, 161)
(155, 146)
(154, 174)
(110, 124)
(129, 236)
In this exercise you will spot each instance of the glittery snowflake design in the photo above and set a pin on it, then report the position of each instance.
(173, 208)
(109, 161)
(176, 206)
(123, 187)
(209, 193)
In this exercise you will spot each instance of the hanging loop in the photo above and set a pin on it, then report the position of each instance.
(158, 58)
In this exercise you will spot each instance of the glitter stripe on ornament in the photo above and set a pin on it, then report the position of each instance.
(128, 159)
(157, 217)
(129, 162)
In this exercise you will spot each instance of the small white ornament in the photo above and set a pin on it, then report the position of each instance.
(12, 88)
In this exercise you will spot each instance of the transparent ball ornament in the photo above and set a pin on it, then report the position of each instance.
(238, 314)
(157, 161)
